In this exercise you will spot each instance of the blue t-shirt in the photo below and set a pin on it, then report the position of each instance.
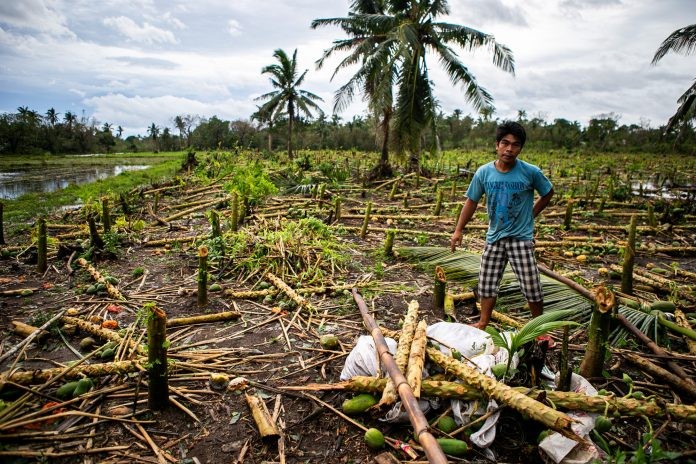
(509, 198)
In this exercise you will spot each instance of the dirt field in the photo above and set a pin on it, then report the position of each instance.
(273, 344)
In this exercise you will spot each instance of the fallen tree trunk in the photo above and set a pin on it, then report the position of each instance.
(566, 400)
(682, 321)
(89, 370)
(676, 368)
(663, 374)
(553, 419)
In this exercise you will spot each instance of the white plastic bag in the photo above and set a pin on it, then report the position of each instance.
(468, 340)
(363, 359)
(564, 450)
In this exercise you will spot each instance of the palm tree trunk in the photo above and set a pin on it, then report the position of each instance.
(386, 120)
(566, 400)
(291, 118)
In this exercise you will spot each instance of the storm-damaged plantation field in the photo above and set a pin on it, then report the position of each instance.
(243, 267)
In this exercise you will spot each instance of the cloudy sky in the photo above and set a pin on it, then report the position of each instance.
(134, 62)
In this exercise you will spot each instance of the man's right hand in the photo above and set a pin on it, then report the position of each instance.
(455, 240)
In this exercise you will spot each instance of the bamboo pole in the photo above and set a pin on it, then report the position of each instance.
(553, 419)
(234, 214)
(656, 371)
(366, 220)
(94, 239)
(196, 208)
(106, 215)
(389, 243)
(2, 224)
(410, 403)
(31, 337)
(24, 330)
(158, 385)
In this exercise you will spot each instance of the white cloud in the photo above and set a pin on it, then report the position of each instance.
(37, 15)
(234, 28)
(134, 113)
(147, 33)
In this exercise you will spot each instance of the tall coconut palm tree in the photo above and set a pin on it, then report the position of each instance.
(288, 98)
(391, 43)
(154, 135)
(680, 41)
(377, 73)
(265, 118)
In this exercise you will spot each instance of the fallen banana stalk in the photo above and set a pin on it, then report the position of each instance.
(658, 372)
(651, 281)
(555, 420)
(572, 401)
(110, 289)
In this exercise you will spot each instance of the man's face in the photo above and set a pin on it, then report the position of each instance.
(508, 148)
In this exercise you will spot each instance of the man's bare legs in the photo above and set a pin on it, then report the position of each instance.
(536, 308)
(487, 305)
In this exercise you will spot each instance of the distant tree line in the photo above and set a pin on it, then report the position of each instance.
(29, 132)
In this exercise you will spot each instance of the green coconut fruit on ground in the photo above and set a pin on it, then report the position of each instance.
(374, 439)
(446, 424)
(359, 404)
(329, 342)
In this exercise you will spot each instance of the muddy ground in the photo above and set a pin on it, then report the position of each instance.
(266, 345)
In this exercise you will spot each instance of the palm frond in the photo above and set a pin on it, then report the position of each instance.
(463, 266)
(681, 40)
(497, 337)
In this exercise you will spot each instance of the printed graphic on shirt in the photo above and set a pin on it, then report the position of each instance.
(505, 202)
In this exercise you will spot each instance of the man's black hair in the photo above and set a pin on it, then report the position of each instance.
(511, 127)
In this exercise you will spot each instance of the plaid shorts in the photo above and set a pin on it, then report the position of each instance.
(520, 255)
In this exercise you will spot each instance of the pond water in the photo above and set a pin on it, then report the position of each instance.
(16, 181)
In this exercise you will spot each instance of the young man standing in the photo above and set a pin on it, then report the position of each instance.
(509, 185)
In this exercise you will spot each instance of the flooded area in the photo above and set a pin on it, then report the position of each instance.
(19, 180)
